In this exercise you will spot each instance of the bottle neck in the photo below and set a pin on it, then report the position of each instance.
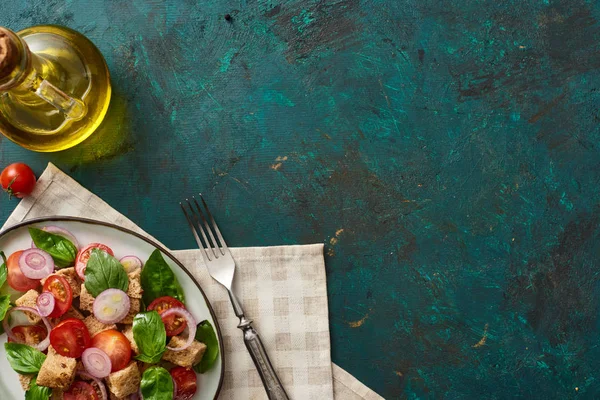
(29, 79)
(16, 60)
(26, 73)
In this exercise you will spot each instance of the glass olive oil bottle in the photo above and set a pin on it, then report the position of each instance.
(54, 87)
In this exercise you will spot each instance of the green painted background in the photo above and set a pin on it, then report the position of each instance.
(445, 151)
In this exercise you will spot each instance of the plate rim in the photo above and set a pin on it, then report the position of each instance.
(90, 221)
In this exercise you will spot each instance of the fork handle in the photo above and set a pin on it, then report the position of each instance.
(271, 382)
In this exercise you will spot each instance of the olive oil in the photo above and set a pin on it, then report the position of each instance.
(54, 89)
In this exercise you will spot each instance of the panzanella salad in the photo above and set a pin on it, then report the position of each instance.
(88, 326)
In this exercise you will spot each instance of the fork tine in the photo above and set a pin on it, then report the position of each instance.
(205, 254)
(202, 230)
(217, 244)
(214, 223)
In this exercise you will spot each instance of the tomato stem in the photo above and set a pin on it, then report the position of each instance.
(9, 190)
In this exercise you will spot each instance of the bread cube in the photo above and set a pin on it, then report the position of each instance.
(57, 371)
(128, 332)
(135, 285)
(184, 358)
(94, 326)
(25, 381)
(29, 299)
(124, 382)
(71, 313)
(134, 308)
(86, 300)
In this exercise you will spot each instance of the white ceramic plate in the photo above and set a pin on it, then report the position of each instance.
(123, 242)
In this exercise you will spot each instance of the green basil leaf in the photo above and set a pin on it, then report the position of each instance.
(102, 272)
(3, 269)
(4, 299)
(150, 336)
(206, 334)
(158, 280)
(62, 250)
(24, 359)
(36, 392)
(4, 305)
(156, 384)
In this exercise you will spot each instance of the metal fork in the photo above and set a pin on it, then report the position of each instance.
(221, 267)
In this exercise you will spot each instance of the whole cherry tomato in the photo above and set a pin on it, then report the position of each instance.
(17, 180)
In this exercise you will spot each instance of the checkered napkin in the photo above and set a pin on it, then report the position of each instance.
(282, 288)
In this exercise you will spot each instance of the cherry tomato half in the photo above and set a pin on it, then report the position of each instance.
(174, 325)
(61, 290)
(15, 277)
(30, 335)
(70, 337)
(17, 180)
(185, 382)
(81, 390)
(84, 255)
(116, 346)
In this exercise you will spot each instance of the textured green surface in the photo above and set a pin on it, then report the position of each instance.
(446, 152)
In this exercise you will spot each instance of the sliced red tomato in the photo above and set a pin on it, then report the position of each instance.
(185, 382)
(84, 255)
(70, 337)
(116, 346)
(29, 334)
(81, 390)
(62, 292)
(174, 325)
(15, 277)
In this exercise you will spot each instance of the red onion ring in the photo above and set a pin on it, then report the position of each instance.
(131, 263)
(96, 362)
(41, 346)
(113, 300)
(45, 304)
(61, 232)
(97, 381)
(36, 264)
(191, 323)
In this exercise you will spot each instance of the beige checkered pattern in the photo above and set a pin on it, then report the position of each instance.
(290, 315)
(282, 288)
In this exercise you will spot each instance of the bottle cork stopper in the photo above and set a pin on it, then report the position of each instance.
(9, 53)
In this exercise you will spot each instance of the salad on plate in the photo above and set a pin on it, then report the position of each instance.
(83, 324)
